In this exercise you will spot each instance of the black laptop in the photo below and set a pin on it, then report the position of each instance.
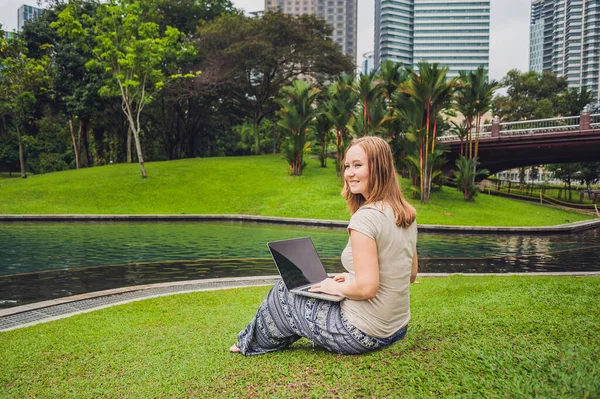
(300, 266)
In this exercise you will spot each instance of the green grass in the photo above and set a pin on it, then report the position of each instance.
(244, 185)
(469, 337)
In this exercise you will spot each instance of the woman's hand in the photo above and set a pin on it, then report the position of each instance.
(340, 278)
(327, 286)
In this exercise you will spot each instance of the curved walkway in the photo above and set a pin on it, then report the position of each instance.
(42, 312)
(558, 229)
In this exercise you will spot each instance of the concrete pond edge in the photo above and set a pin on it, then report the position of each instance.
(566, 228)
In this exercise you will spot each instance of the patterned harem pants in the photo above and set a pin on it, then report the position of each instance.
(283, 318)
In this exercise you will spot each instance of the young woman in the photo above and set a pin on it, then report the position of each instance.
(380, 260)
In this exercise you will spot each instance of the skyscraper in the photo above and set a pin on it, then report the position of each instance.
(340, 14)
(568, 45)
(453, 33)
(540, 35)
(27, 13)
(394, 31)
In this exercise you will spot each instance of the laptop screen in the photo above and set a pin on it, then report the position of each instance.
(298, 262)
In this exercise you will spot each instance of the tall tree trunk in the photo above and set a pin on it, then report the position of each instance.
(84, 140)
(426, 160)
(323, 152)
(470, 136)
(476, 155)
(256, 149)
(274, 138)
(421, 168)
(129, 141)
(138, 147)
(21, 153)
(75, 145)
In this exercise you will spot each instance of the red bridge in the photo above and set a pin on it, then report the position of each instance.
(510, 145)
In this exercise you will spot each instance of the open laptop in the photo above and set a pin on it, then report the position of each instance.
(300, 266)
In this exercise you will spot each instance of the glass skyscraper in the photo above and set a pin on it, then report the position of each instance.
(394, 21)
(453, 33)
(565, 39)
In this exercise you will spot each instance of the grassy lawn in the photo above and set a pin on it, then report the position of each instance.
(470, 337)
(244, 185)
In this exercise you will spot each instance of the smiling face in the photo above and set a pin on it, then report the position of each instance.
(356, 170)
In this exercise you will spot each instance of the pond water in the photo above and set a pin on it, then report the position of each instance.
(40, 261)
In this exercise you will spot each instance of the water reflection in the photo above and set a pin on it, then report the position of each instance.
(40, 261)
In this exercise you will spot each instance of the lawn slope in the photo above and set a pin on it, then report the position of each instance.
(258, 185)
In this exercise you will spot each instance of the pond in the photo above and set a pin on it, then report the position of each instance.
(40, 261)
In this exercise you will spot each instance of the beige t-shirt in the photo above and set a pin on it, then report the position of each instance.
(389, 310)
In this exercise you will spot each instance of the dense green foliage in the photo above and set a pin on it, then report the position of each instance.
(469, 337)
(126, 70)
(257, 185)
(531, 95)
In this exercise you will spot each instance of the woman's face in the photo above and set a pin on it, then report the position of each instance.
(356, 171)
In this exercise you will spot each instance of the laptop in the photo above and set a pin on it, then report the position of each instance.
(300, 267)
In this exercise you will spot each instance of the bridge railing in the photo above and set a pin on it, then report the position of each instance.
(540, 126)
(565, 124)
(595, 121)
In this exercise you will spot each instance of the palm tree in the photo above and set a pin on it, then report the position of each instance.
(375, 122)
(461, 130)
(432, 92)
(465, 177)
(323, 128)
(368, 91)
(390, 76)
(474, 99)
(340, 110)
(297, 116)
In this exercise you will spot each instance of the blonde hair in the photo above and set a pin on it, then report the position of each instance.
(382, 183)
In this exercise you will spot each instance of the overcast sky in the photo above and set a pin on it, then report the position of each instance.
(509, 36)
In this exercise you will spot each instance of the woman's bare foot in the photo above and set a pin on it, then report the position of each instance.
(234, 349)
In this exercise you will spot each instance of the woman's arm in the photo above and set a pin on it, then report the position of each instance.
(366, 271)
(415, 267)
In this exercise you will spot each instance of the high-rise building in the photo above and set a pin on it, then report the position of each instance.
(368, 64)
(394, 31)
(27, 13)
(340, 14)
(540, 35)
(568, 45)
(453, 33)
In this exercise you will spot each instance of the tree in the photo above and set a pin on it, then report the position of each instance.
(75, 87)
(323, 127)
(465, 176)
(341, 106)
(474, 98)
(565, 172)
(573, 100)
(21, 80)
(589, 173)
(462, 131)
(251, 59)
(297, 116)
(368, 91)
(431, 91)
(530, 95)
(390, 76)
(133, 51)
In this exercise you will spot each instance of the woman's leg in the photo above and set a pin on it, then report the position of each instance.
(272, 328)
(283, 318)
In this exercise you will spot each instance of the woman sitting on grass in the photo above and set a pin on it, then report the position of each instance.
(380, 259)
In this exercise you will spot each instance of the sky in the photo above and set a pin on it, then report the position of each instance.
(509, 30)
